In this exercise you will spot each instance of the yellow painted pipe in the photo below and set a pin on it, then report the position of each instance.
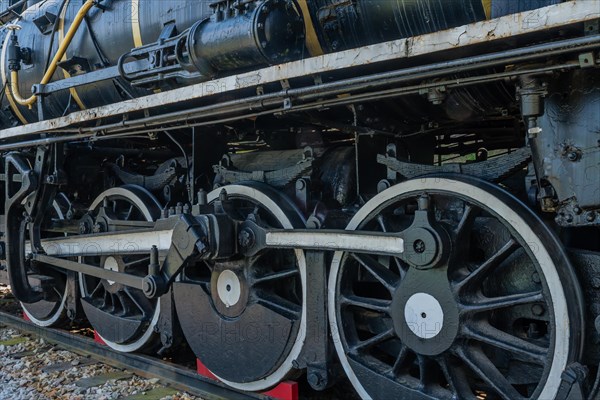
(62, 49)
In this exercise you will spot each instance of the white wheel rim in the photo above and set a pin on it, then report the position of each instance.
(287, 365)
(149, 332)
(555, 289)
(61, 308)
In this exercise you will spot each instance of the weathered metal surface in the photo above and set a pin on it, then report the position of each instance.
(535, 21)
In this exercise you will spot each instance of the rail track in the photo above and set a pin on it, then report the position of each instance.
(180, 376)
(176, 376)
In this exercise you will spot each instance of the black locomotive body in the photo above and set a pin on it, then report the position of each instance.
(401, 196)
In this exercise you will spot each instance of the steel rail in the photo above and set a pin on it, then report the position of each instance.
(178, 377)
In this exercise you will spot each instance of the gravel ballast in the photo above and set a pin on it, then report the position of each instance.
(31, 369)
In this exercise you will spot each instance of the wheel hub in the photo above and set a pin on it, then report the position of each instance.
(424, 315)
(395, 321)
(245, 318)
(111, 264)
(424, 311)
(229, 288)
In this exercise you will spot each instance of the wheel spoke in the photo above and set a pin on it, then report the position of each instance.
(128, 215)
(484, 304)
(287, 273)
(457, 379)
(377, 339)
(143, 260)
(386, 277)
(125, 304)
(524, 350)
(487, 371)
(279, 305)
(479, 274)
(466, 221)
(98, 286)
(381, 223)
(400, 361)
(143, 304)
(426, 371)
(378, 305)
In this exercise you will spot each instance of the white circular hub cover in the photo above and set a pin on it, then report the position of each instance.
(229, 288)
(111, 264)
(424, 315)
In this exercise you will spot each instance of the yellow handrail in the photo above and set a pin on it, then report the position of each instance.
(62, 49)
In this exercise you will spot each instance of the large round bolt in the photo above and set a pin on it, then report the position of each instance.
(150, 286)
(246, 238)
(573, 156)
(419, 246)
(316, 380)
(590, 217)
(537, 309)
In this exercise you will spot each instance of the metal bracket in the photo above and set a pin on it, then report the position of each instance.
(316, 356)
(587, 60)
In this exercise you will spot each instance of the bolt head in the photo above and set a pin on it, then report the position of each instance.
(537, 309)
(315, 379)
(246, 238)
(419, 246)
(590, 217)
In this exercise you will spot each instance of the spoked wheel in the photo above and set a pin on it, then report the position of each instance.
(500, 317)
(51, 310)
(245, 318)
(122, 316)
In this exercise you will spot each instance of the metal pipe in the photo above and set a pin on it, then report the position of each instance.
(305, 107)
(534, 52)
(338, 101)
(382, 79)
(62, 48)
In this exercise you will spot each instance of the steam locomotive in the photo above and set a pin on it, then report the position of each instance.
(403, 195)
